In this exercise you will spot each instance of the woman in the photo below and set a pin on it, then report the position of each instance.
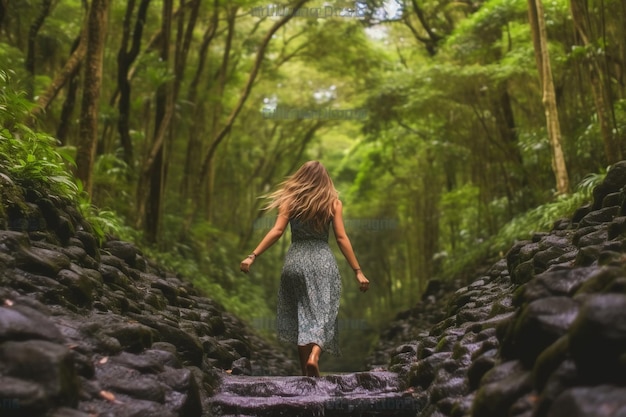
(310, 285)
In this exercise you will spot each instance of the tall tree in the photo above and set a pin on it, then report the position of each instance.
(152, 180)
(220, 135)
(540, 42)
(32, 44)
(125, 58)
(88, 129)
(600, 80)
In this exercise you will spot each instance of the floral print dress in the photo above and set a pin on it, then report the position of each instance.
(310, 288)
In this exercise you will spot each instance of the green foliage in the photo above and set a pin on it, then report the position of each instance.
(207, 258)
(30, 156)
(539, 219)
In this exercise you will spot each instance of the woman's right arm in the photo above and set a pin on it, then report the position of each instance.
(270, 238)
(346, 246)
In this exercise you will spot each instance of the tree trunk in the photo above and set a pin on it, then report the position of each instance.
(88, 126)
(152, 181)
(69, 104)
(540, 43)
(3, 12)
(217, 108)
(69, 70)
(32, 46)
(125, 59)
(221, 134)
(194, 144)
(600, 85)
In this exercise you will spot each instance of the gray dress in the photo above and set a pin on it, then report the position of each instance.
(310, 288)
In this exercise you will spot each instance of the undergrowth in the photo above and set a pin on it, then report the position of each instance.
(539, 219)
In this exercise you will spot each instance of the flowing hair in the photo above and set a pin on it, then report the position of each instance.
(307, 195)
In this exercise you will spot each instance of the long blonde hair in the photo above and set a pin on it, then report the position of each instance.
(307, 195)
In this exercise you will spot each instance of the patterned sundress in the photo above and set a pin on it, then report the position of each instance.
(310, 288)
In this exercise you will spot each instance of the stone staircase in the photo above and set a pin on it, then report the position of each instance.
(361, 394)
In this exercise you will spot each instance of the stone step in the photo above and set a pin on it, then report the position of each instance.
(358, 394)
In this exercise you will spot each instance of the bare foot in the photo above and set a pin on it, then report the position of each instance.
(312, 368)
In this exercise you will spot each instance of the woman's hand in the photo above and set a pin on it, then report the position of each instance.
(364, 283)
(245, 264)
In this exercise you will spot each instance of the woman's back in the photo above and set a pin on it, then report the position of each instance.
(304, 231)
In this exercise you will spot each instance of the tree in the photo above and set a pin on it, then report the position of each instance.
(542, 56)
(125, 58)
(86, 153)
(221, 133)
(32, 42)
(599, 79)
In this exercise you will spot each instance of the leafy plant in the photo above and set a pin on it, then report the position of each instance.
(30, 157)
(523, 226)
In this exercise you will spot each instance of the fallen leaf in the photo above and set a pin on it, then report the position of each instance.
(107, 395)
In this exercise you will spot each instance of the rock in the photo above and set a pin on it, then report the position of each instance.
(613, 182)
(86, 331)
(559, 282)
(123, 250)
(21, 398)
(47, 364)
(133, 337)
(494, 399)
(43, 261)
(25, 323)
(539, 325)
(600, 401)
(598, 339)
(601, 216)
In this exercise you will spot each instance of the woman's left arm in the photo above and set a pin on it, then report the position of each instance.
(270, 238)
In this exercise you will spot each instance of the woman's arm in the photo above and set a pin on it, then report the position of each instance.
(270, 238)
(346, 247)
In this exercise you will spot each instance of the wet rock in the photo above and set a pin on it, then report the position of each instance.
(133, 337)
(539, 345)
(47, 364)
(539, 325)
(123, 250)
(25, 323)
(560, 282)
(600, 401)
(598, 339)
(565, 376)
(613, 182)
(43, 261)
(123, 380)
(480, 366)
(89, 244)
(502, 387)
(601, 216)
(90, 331)
(616, 228)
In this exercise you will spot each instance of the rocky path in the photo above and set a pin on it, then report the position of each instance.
(100, 330)
(92, 330)
(356, 394)
(541, 333)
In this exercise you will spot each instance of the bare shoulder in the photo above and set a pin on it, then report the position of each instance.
(337, 205)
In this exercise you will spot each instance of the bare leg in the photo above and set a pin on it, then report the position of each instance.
(312, 367)
(304, 352)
